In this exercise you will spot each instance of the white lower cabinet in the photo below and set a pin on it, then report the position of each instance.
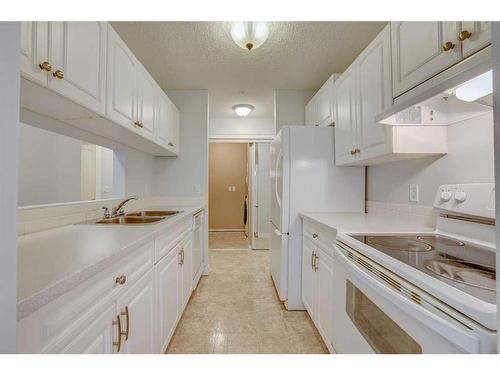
(167, 281)
(136, 308)
(96, 338)
(317, 281)
(131, 307)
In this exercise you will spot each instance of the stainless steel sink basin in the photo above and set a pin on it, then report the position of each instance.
(152, 213)
(130, 220)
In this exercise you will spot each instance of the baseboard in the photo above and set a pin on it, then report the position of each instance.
(227, 230)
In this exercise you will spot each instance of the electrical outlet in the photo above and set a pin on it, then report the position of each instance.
(414, 193)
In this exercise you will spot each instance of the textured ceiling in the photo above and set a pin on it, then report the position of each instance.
(202, 55)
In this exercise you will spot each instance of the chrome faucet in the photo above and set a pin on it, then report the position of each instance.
(118, 210)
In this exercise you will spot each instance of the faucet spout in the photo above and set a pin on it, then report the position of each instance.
(118, 210)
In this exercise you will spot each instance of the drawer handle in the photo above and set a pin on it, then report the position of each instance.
(121, 279)
(45, 66)
(312, 260)
(315, 235)
(58, 74)
(465, 34)
(448, 46)
(127, 315)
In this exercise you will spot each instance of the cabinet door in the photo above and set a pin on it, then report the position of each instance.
(325, 104)
(164, 125)
(345, 113)
(174, 127)
(78, 55)
(307, 277)
(480, 36)
(34, 51)
(147, 93)
(96, 338)
(311, 112)
(418, 53)
(167, 284)
(121, 84)
(374, 95)
(139, 300)
(187, 275)
(324, 296)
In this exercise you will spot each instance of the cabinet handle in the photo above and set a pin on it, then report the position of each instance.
(353, 152)
(118, 324)
(141, 125)
(180, 257)
(316, 258)
(312, 260)
(315, 235)
(127, 315)
(170, 144)
(45, 66)
(448, 46)
(58, 74)
(121, 279)
(465, 34)
(357, 150)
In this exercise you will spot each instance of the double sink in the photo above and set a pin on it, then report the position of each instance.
(138, 218)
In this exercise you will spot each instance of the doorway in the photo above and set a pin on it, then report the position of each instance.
(228, 195)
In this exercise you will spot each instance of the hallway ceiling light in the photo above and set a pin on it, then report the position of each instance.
(243, 110)
(249, 35)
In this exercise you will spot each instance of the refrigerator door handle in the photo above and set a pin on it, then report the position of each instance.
(278, 199)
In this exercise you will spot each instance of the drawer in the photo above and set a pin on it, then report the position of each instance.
(49, 328)
(319, 236)
(166, 241)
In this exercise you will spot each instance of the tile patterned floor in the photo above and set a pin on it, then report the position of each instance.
(227, 241)
(235, 310)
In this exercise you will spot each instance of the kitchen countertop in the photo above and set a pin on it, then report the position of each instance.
(54, 261)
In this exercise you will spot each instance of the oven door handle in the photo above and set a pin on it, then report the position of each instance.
(459, 334)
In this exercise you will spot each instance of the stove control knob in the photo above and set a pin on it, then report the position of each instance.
(460, 196)
(445, 195)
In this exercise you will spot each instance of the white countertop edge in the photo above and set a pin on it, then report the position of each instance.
(481, 311)
(34, 302)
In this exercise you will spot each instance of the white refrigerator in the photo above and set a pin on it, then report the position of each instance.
(304, 178)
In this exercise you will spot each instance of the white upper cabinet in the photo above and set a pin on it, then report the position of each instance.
(374, 95)
(319, 110)
(35, 51)
(475, 36)
(147, 102)
(362, 92)
(121, 85)
(345, 112)
(78, 58)
(167, 123)
(421, 50)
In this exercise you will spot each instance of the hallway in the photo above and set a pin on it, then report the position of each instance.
(235, 310)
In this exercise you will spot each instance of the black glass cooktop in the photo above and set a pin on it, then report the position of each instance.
(463, 265)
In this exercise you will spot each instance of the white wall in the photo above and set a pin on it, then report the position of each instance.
(49, 167)
(241, 128)
(289, 107)
(139, 174)
(9, 108)
(469, 159)
(187, 174)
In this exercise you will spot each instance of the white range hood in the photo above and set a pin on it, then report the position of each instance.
(459, 93)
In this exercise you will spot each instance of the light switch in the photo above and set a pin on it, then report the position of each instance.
(414, 193)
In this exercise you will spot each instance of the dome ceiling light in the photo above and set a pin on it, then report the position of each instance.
(243, 110)
(249, 35)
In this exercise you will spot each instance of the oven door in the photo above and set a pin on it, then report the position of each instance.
(375, 311)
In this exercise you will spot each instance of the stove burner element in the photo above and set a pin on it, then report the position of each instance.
(440, 240)
(463, 272)
(398, 243)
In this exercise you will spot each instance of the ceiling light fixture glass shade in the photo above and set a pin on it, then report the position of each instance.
(249, 35)
(243, 110)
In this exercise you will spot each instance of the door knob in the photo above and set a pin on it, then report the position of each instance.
(448, 46)
(45, 66)
(465, 34)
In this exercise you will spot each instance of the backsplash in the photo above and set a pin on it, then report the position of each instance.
(32, 219)
(418, 214)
